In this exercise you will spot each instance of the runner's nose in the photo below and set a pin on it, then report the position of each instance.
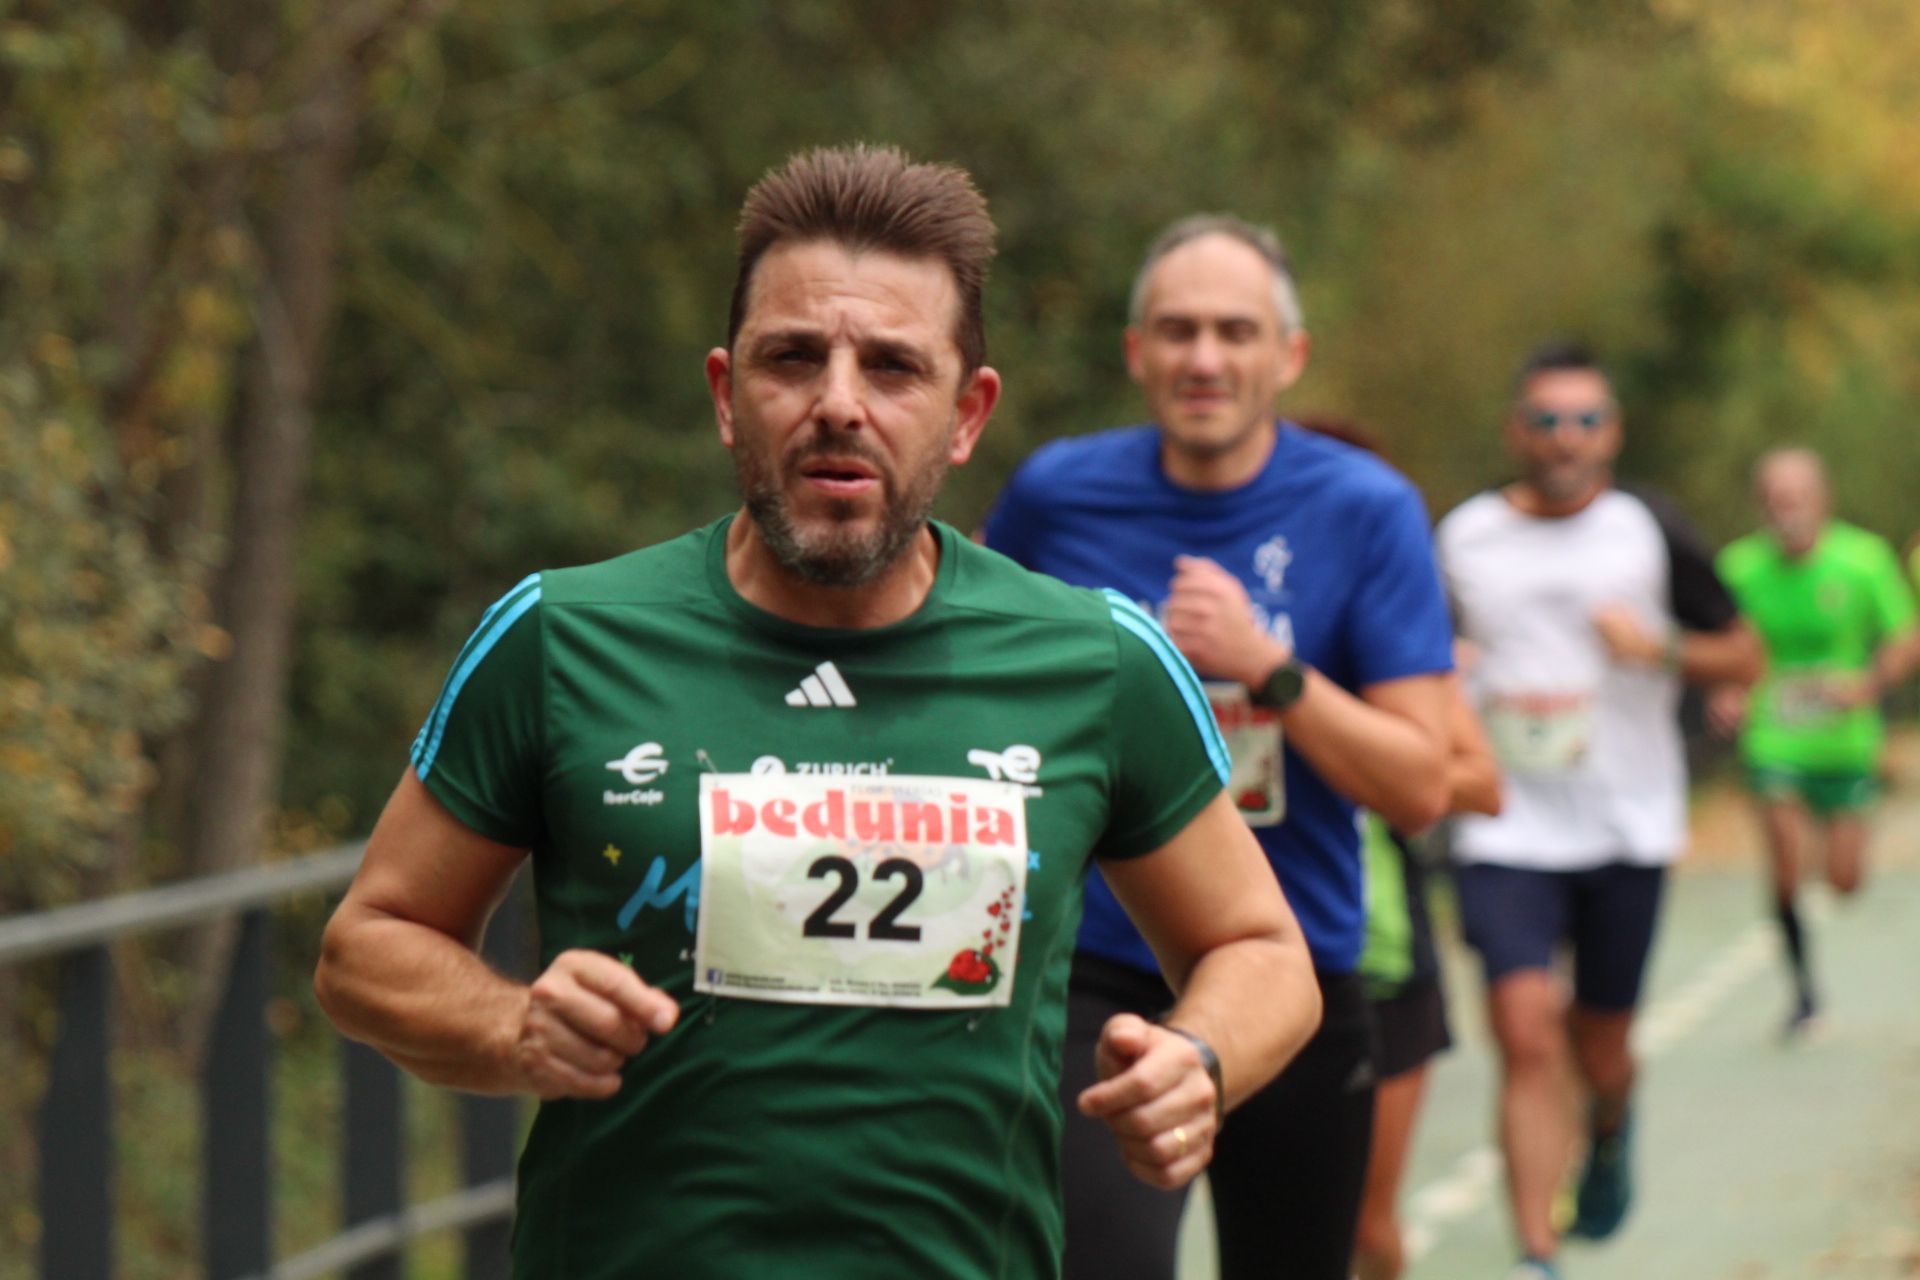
(841, 402)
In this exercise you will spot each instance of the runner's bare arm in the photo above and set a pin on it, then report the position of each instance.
(1210, 907)
(1727, 709)
(1385, 749)
(1895, 660)
(1473, 774)
(399, 970)
(1729, 655)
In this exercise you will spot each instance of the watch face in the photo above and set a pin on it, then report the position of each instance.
(1284, 686)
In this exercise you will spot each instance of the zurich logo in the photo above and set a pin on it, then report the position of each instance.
(641, 765)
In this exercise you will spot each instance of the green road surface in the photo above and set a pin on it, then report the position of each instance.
(1756, 1160)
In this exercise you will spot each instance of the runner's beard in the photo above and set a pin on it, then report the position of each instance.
(833, 552)
(1563, 482)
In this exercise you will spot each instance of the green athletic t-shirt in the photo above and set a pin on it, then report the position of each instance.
(1821, 615)
(802, 1139)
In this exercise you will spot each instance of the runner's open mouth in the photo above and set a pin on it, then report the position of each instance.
(838, 471)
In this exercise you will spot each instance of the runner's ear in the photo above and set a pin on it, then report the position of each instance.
(719, 369)
(978, 397)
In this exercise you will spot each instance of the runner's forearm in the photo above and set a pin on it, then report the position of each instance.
(1729, 656)
(423, 999)
(1256, 1002)
(1894, 661)
(1473, 773)
(1387, 762)
(1473, 785)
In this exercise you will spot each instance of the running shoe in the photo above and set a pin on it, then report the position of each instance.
(1804, 1020)
(1606, 1185)
(1534, 1269)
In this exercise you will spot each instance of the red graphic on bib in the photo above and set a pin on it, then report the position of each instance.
(975, 971)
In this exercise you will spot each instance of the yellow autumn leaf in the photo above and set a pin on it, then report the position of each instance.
(214, 642)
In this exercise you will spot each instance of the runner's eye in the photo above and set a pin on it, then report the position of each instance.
(1544, 420)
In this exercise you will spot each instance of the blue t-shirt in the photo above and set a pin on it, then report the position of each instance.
(1334, 550)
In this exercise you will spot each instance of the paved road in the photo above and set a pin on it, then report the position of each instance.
(1758, 1160)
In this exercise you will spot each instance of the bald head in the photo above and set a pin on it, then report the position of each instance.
(1791, 485)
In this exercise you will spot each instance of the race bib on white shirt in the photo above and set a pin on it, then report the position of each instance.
(1539, 732)
(899, 891)
(1257, 782)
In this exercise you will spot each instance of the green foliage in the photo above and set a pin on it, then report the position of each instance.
(93, 647)
(98, 627)
(539, 255)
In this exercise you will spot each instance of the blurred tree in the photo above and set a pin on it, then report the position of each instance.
(521, 215)
(175, 176)
(539, 254)
(1790, 265)
(325, 322)
(102, 617)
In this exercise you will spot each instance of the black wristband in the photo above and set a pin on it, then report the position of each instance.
(1283, 687)
(1211, 1062)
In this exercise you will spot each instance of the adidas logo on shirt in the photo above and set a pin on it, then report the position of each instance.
(826, 687)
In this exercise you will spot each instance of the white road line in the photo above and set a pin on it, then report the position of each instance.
(1469, 1184)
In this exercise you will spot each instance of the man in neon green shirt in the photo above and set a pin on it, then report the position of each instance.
(1837, 618)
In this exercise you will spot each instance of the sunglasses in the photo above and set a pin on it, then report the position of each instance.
(1545, 420)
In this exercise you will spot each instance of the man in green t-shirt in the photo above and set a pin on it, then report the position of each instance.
(810, 794)
(1837, 618)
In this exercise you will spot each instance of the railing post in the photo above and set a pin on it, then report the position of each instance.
(490, 1127)
(76, 1128)
(373, 1167)
(238, 1205)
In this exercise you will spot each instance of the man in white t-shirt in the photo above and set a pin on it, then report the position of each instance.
(1587, 607)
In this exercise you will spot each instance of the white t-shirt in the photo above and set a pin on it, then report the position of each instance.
(1590, 748)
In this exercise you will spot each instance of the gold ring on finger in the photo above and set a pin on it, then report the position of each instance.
(1180, 1136)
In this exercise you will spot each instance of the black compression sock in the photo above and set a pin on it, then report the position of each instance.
(1790, 929)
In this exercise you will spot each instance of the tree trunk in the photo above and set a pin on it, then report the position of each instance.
(237, 747)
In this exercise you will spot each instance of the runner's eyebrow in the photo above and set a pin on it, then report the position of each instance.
(894, 349)
(1181, 321)
(813, 341)
(768, 343)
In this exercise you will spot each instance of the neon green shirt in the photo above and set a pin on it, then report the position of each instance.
(1819, 616)
(1386, 961)
(761, 1138)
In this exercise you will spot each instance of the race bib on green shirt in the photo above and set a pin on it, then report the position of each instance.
(1803, 698)
(893, 890)
(1539, 732)
(1257, 782)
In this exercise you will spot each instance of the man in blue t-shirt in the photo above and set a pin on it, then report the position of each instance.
(1297, 574)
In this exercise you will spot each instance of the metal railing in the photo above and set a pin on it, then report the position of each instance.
(75, 1131)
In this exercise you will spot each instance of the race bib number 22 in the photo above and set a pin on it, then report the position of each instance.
(893, 890)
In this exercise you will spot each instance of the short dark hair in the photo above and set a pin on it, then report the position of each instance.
(867, 197)
(1555, 355)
